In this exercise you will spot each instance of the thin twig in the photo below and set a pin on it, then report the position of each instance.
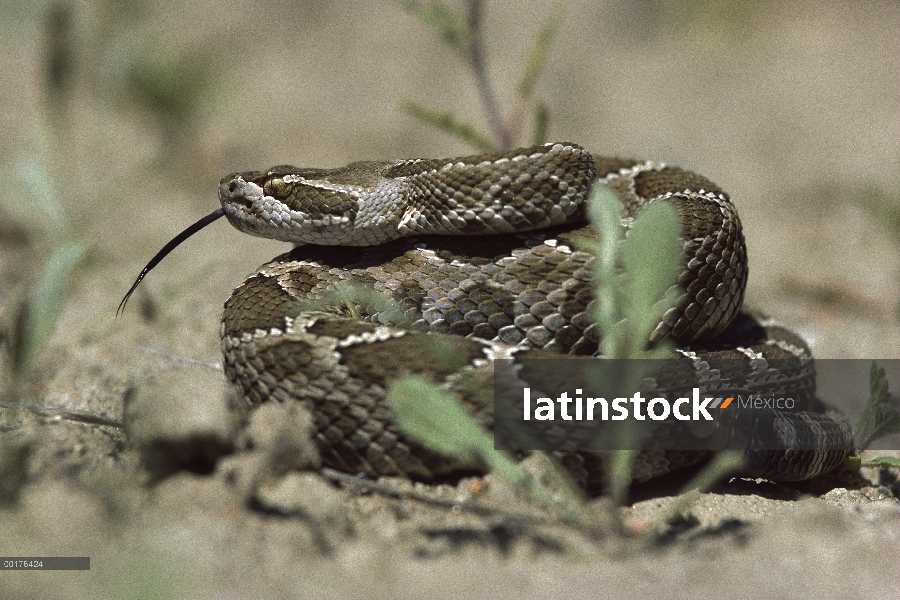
(467, 506)
(393, 491)
(90, 418)
(189, 361)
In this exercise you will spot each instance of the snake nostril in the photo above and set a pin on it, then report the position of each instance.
(232, 187)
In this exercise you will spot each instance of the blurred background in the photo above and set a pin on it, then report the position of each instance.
(119, 118)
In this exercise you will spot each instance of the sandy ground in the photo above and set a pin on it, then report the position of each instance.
(790, 107)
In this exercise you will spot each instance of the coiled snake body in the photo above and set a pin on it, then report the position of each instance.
(480, 251)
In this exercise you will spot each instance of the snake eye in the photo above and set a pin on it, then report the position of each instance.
(275, 187)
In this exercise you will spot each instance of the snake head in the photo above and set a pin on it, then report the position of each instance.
(248, 206)
(312, 206)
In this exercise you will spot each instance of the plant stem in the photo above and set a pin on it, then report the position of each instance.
(475, 56)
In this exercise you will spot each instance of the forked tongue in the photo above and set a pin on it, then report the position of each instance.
(168, 248)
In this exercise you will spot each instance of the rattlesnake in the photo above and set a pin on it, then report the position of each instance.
(480, 251)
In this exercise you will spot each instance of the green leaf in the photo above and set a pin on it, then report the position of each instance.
(652, 259)
(442, 19)
(448, 123)
(36, 318)
(40, 189)
(355, 297)
(541, 123)
(436, 419)
(605, 212)
(878, 418)
(537, 57)
(636, 279)
(883, 461)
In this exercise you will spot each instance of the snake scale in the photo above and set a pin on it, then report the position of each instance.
(480, 252)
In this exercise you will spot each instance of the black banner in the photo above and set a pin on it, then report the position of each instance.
(682, 404)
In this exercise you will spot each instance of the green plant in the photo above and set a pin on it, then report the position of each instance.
(636, 284)
(461, 30)
(36, 318)
(28, 329)
(635, 275)
(878, 418)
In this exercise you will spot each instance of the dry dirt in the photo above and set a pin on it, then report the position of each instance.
(791, 108)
